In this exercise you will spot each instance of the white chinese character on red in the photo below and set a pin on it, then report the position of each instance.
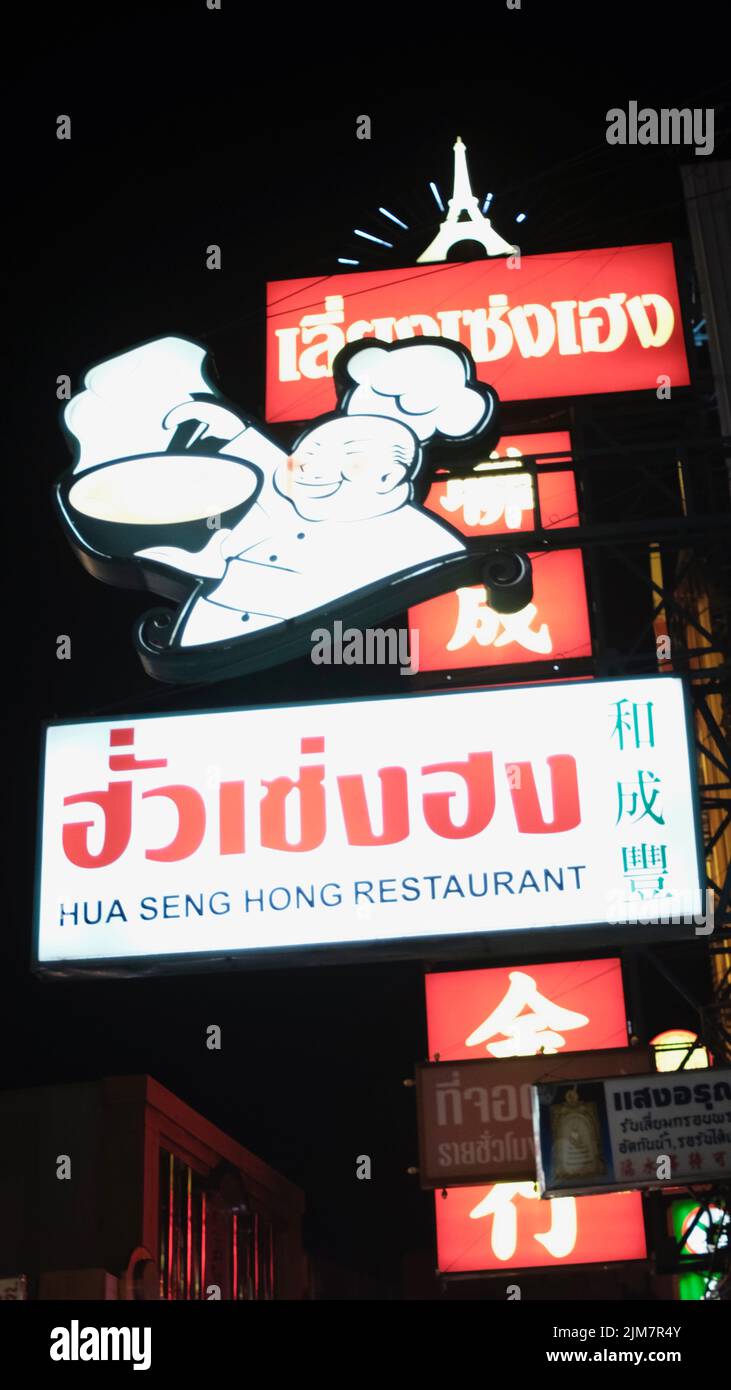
(477, 621)
(559, 1240)
(541, 1030)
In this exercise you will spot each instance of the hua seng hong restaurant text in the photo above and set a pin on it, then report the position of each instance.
(554, 804)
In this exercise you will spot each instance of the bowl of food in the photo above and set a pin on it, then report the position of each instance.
(114, 510)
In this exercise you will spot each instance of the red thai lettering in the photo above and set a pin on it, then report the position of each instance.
(116, 803)
(564, 794)
(191, 824)
(312, 812)
(231, 818)
(293, 811)
(129, 762)
(478, 775)
(394, 804)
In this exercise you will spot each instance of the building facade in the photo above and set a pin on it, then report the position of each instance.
(117, 1189)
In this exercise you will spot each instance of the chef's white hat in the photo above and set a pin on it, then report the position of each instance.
(120, 412)
(423, 384)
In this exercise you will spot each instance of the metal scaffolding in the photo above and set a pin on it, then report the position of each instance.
(655, 535)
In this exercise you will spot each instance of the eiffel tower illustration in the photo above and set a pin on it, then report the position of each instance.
(475, 227)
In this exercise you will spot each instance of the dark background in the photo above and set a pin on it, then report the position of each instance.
(192, 127)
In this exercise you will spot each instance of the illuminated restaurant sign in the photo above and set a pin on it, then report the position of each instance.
(561, 1006)
(504, 495)
(563, 324)
(507, 1226)
(461, 631)
(359, 821)
(174, 491)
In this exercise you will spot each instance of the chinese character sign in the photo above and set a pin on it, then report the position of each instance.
(460, 630)
(500, 495)
(567, 1006)
(507, 1226)
(640, 810)
(565, 324)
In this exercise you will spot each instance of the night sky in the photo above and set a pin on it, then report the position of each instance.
(189, 129)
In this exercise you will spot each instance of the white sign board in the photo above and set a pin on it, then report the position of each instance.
(663, 1130)
(367, 820)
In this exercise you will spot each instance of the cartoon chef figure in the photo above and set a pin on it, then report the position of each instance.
(337, 513)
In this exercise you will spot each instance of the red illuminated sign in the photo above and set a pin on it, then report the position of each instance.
(499, 498)
(508, 1226)
(458, 630)
(570, 1006)
(566, 324)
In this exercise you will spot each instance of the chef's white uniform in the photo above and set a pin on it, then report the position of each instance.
(301, 565)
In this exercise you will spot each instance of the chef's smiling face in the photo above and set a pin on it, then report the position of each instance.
(349, 469)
